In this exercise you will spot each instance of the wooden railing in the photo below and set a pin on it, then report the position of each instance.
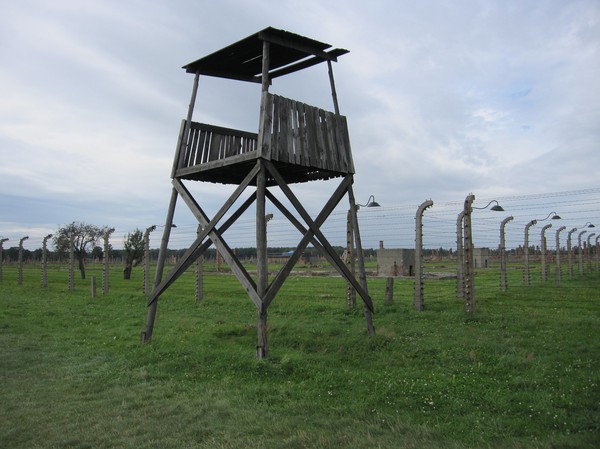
(292, 132)
(208, 143)
(301, 134)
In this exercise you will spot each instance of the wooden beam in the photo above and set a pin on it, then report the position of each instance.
(306, 63)
(361, 262)
(175, 272)
(289, 43)
(273, 288)
(314, 227)
(216, 237)
(279, 205)
(162, 255)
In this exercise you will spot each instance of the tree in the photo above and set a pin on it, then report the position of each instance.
(84, 236)
(133, 250)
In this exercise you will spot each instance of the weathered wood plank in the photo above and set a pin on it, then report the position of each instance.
(215, 146)
(311, 136)
(301, 139)
(201, 147)
(284, 130)
(268, 126)
(340, 147)
(292, 122)
(347, 146)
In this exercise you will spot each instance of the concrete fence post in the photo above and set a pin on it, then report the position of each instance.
(558, 269)
(526, 249)
(589, 251)
(543, 251)
(570, 253)
(419, 301)
(580, 252)
(44, 281)
(469, 269)
(1, 257)
(460, 255)
(503, 283)
(105, 271)
(71, 262)
(147, 258)
(20, 266)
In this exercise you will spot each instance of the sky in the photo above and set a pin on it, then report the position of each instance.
(498, 98)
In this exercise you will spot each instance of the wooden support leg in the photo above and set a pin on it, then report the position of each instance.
(261, 262)
(360, 258)
(389, 290)
(262, 347)
(162, 255)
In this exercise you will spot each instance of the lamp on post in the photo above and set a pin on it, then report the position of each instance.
(503, 253)
(370, 203)
(589, 251)
(496, 208)
(554, 216)
(543, 252)
(580, 252)
(526, 251)
(350, 253)
(570, 252)
(558, 270)
(526, 244)
(468, 247)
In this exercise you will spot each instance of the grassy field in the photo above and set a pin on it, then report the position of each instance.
(524, 372)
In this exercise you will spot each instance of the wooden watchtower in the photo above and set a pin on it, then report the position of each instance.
(295, 143)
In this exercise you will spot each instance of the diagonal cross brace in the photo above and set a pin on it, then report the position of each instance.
(314, 231)
(194, 249)
(215, 235)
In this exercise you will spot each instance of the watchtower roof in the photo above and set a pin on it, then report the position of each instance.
(288, 53)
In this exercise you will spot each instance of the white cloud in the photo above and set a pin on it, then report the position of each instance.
(442, 98)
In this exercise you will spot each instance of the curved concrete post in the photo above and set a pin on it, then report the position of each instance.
(589, 251)
(543, 251)
(597, 255)
(526, 249)
(147, 258)
(503, 253)
(419, 302)
(1, 256)
(558, 270)
(20, 266)
(460, 256)
(107, 233)
(570, 252)
(469, 269)
(580, 252)
(71, 262)
(44, 281)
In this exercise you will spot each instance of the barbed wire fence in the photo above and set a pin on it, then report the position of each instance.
(393, 226)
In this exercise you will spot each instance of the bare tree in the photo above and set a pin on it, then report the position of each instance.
(85, 237)
(133, 249)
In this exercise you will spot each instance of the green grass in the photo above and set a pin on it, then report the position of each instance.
(524, 372)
